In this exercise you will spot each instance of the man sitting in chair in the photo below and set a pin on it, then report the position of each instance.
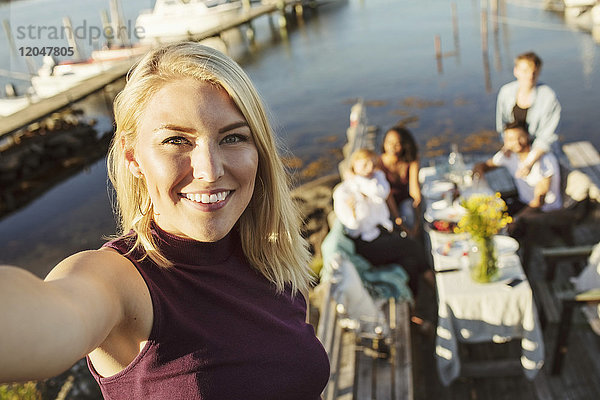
(538, 191)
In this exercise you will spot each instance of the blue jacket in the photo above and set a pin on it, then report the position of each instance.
(542, 117)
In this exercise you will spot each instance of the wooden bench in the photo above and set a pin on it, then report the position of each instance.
(367, 365)
(557, 299)
(585, 158)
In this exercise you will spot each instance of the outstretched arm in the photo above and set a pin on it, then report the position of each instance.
(48, 325)
(481, 168)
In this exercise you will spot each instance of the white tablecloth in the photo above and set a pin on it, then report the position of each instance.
(490, 312)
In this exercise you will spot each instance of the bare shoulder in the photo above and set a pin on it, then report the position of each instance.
(103, 264)
(102, 271)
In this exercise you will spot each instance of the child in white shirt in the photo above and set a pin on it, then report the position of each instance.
(360, 200)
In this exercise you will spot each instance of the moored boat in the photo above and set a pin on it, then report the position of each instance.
(173, 20)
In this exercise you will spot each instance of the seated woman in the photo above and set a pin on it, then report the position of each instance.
(359, 202)
(400, 164)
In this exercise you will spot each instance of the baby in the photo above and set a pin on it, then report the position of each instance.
(359, 202)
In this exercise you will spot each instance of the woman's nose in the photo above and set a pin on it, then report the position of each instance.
(207, 162)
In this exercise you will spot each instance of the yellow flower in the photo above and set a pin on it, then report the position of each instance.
(485, 216)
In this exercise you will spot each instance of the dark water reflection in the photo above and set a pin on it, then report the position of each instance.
(380, 50)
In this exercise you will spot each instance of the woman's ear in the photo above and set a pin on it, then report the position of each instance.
(132, 163)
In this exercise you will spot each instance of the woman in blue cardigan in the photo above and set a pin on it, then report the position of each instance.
(531, 103)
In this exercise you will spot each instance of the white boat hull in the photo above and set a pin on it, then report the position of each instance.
(183, 21)
(579, 3)
(11, 105)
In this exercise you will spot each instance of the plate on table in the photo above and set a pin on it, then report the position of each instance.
(436, 189)
(443, 226)
(452, 213)
(452, 248)
(505, 245)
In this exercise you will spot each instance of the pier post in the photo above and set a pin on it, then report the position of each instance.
(105, 25)
(11, 43)
(437, 44)
(116, 21)
(455, 32)
(282, 19)
(250, 34)
(484, 50)
(71, 38)
(299, 10)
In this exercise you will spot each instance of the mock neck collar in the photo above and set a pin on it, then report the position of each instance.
(192, 252)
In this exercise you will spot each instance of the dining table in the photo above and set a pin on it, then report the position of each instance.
(469, 311)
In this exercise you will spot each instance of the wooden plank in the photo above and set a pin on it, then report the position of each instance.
(491, 368)
(244, 18)
(547, 303)
(581, 154)
(402, 353)
(584, 156)
(567, 252)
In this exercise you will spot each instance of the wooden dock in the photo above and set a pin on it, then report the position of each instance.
(47, 106)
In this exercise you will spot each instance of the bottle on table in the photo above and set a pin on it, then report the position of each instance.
(456, 165)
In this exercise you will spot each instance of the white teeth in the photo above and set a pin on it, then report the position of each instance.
(206, 198)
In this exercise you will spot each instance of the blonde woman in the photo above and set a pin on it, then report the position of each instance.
(201, 294)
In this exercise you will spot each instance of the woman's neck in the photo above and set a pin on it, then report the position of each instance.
(524, 96)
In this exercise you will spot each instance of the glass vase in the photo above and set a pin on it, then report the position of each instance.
(483, 260)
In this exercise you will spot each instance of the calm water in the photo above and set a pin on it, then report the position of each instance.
(378, 50)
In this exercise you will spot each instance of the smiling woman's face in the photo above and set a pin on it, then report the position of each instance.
(197, 157)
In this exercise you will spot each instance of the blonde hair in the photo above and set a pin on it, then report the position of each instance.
(362, 154)
(270, 226)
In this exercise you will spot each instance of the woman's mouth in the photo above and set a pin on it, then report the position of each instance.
(206, 198)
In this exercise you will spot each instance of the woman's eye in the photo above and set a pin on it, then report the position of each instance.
(234, 138)
(176, 140)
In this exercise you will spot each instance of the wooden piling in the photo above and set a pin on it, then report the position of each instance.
(455, 31)
(11, 42)
(437, 43)
(484, 30)
(71, 38)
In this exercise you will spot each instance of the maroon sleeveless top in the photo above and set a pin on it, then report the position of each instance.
(398, 186)
(220, 331)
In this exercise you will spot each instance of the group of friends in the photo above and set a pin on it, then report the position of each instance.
(379, 201)
(202, 293)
